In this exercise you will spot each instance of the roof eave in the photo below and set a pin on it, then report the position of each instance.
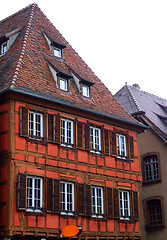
(139, 127)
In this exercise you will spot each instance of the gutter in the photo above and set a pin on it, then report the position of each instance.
(141, 126)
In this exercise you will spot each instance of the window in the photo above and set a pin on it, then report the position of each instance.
(3, 47)
(85, 91)
(63, 84)
(35, 125)
(124, 204)
(57, 52)
(66, 132)
(121, 145)
(95, 139)
(97, 201)
(153, 213)
(151, 169)
(34, 194)
(67, 198)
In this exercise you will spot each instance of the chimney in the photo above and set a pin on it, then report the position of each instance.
(136, 86)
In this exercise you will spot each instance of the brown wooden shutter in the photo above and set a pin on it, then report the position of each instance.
(80, 134)
(56, 196)
(113, 143)
(74, 133)
(21, 191)
(57, 128)
(49, 195)
(87, 136)
(53, 193)
(23, 122)
(50, 127)
(106, 139)
(81, 198)
(135, 206)
(131, 147)
(88, 200)
(116, 203)
(109, 202)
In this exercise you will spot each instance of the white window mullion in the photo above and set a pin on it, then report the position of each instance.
(41, 194)
(33, 205)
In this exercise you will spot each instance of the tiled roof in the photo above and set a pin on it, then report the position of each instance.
(153, 109)
(25, 68)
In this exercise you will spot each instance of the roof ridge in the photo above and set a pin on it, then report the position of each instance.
(133, 97)
(23, 46)
(153, 95)
(17, 12)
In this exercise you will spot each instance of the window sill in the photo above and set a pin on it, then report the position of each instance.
(154, 228)
(98, 216)
(34, 213)
(95, 152)
(40, 141)
(144, 183)
(66, 145)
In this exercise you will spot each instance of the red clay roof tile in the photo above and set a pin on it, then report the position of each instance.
(25, 67)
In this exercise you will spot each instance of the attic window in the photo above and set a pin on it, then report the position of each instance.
(3, 48)
(63, 84)
(57, 52)
(86, 91)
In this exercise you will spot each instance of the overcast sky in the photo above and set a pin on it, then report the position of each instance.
(120, 40)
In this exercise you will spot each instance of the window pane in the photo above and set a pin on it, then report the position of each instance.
(97, 201)
(151, 171)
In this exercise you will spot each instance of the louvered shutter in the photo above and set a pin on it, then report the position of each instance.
(53, 194)
(79, 134)
(50, 127)
(49, 198)
(135, 206)
(87, 136)
(21, 191)
(57, 128)
(116, 203)
(113, 144)
(109, 203)
(106, 139)
(88, 200)
(23, 122)
(131, 147)
(74, 133)
(81, 198)
(56, 196)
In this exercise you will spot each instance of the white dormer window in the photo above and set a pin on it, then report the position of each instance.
(85, 91)
(57, 52)
(63, 84)
(3, 47)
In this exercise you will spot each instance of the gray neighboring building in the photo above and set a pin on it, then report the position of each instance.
(152, 111)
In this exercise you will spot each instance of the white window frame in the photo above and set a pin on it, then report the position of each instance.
(31, 194)
(121, 146)
(34, 129)
(66, 209)
(95, 139)
(57, 52)
(2, 48)
(65, 131)
(124, 202)
(86, 91)
(96, 198)
(63, 84)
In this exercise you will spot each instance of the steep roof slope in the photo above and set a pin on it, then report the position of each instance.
(24, 68)
(152, 109)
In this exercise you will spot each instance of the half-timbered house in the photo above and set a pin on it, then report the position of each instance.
(68, 150)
